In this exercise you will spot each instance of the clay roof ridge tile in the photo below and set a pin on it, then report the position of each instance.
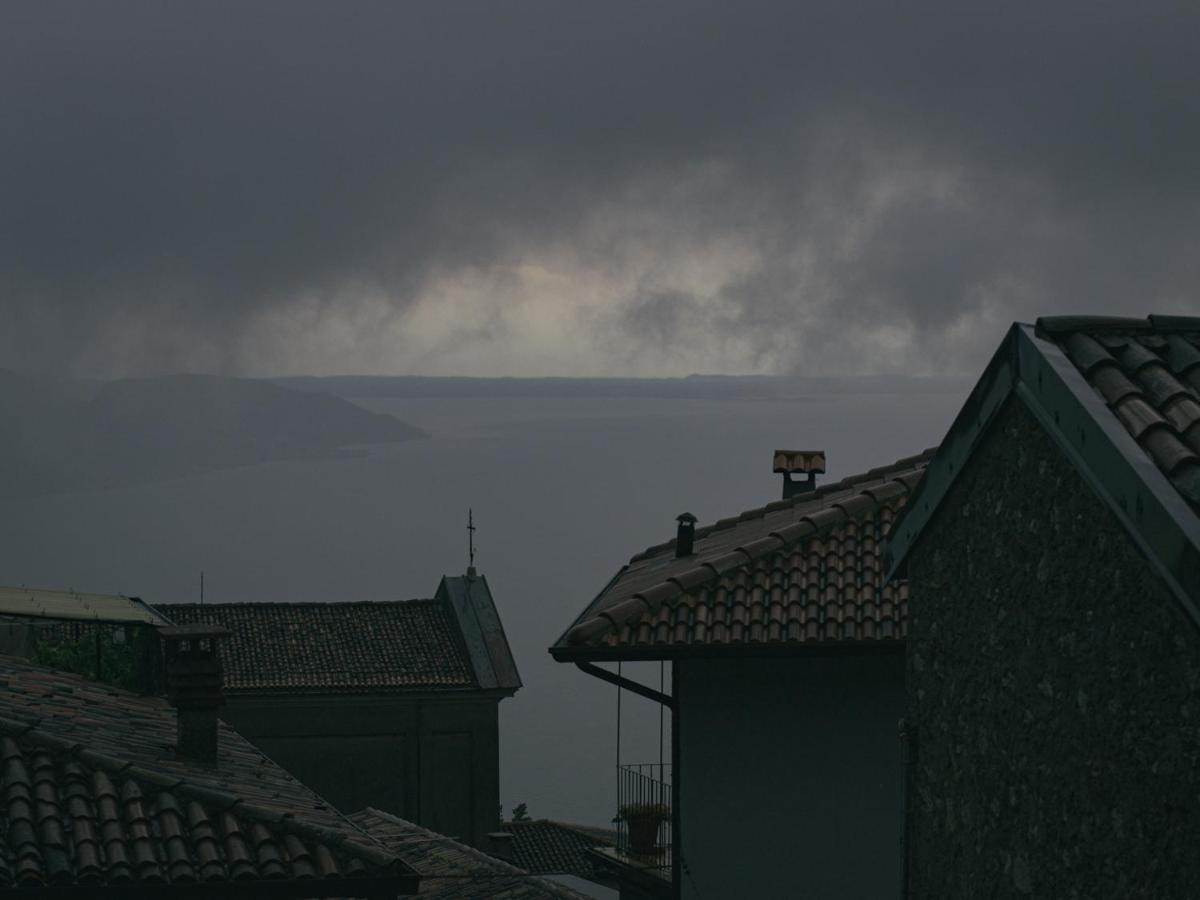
(794, 532)
(1162, 386)
(857, 506)
(218, 800)
(159, 779)
(1086, 352)
(759, 548)
(888, 490)
(99, 760)
(825, 518)
(1134, 357)
(727, 561)
(628, 610)
(692, 578)
(910, 479)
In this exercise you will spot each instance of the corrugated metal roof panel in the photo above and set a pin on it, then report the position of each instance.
(41, 603)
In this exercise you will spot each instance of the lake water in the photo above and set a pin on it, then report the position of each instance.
(564, 491)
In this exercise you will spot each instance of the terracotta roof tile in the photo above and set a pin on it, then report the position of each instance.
(802, 570)
(1148, 373)
(335, 646)
(453, 871)
(556, 848)
(92, 794)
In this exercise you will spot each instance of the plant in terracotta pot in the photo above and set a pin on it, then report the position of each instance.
(643, 821)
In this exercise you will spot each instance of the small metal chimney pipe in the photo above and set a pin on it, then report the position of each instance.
(799, 462)
(195, 682)
(685, 536)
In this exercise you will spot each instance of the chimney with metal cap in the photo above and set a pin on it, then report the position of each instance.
(686, 534)
(799, 462)
(194, 687)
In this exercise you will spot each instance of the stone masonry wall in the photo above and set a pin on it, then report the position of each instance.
(1053, 692)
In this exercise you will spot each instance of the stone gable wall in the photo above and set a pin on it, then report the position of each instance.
(1053, 692)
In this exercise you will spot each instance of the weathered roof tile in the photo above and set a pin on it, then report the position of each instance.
(1158, 358)
(344, 647)
(800, 571)
(113, 814)
(453, 871)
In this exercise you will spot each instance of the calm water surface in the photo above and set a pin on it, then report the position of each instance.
(564, 491)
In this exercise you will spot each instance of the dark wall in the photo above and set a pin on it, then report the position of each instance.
(432, 760)
(790, 776)
(1053, 692)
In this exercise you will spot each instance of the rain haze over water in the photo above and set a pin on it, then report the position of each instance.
(564, 490)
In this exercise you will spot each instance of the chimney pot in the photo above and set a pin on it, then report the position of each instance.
(194, 687)
(799, 462)
(686, 534)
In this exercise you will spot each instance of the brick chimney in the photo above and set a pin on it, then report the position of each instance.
(799, 462)
(194, 687)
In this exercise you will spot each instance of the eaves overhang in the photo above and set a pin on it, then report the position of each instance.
(562, 649)
(1040, 375)
(772, 650)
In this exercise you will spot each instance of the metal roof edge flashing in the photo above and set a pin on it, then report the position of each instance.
(985, 400)
(1112, 463)
(1149, 508)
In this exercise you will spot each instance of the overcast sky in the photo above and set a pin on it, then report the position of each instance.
(555, 188)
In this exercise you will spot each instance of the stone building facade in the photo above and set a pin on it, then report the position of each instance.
(1052, 555)
(1054, 703)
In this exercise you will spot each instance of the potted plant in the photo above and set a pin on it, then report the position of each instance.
(643, 820)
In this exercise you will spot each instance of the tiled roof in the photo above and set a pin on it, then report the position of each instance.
(555, 848)
(1119, 398)
(336, 646)
(1148, 373)
(93, 795)
(453, 871)
(798, 571)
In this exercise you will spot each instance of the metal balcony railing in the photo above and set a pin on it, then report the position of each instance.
(644, 814)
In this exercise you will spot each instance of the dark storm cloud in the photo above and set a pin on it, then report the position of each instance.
(172, 173)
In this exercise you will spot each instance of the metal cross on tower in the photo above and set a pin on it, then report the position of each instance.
(471, 538)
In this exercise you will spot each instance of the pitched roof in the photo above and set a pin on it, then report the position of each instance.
(795, 572)
(41, 603)
(452, 642)
(556, 848)
(1121, 399)
(93, 795)
(453, 871)
(1148, 373)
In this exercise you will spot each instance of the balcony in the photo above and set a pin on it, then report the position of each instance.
(644, 817)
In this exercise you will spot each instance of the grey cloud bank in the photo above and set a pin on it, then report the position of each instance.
(601, 189)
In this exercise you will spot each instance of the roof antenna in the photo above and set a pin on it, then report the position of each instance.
(201, 587)
(470, 543)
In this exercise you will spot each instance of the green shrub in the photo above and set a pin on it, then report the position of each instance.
(118, 661)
